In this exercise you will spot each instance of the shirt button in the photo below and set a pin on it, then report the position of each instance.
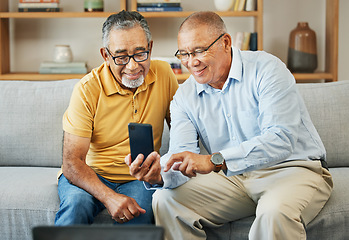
(233, 138)
(228, 115)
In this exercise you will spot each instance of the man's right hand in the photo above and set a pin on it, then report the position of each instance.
(121, 207)
(148, 170)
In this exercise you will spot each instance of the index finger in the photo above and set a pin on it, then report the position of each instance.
(178, 157)
(135, 209)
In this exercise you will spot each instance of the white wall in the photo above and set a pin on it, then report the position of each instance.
(33, 40)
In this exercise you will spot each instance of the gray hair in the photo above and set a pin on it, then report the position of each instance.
(124, 20)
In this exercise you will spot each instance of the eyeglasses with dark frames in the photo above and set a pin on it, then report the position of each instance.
(199, 53)
(125, 59)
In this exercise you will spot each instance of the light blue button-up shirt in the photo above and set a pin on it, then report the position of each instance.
(258, 119)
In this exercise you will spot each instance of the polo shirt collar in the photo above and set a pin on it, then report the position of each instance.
(149, 79)
(235, 73)
(111, 86)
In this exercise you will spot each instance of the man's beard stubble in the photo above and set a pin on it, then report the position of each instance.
(132, 83)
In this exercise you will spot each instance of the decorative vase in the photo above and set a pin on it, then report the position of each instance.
(223, 5)
(94, 5)
(302, 55)
(62, 54)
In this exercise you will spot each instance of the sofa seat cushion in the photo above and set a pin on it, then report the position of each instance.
(333, 220)
(29, 198)
(28, 188)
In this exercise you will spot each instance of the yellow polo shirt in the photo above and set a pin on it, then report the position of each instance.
(101, 109)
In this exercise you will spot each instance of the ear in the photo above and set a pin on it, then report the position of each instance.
(105, 55)
(150, 47)
(227, 42)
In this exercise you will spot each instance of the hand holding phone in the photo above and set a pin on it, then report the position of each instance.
(141, 139)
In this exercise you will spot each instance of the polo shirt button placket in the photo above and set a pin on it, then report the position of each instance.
(135, 109)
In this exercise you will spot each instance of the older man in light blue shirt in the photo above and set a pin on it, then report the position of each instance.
(249, 133)
(245, 108)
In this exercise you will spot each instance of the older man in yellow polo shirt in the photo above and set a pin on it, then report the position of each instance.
(127, 87)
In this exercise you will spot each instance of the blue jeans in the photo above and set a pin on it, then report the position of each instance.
(79, 207)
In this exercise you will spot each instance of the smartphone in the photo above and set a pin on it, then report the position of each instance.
(141, 139)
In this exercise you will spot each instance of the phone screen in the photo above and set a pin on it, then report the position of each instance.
(141, 139)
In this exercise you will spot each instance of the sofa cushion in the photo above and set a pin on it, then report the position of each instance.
(29, 198)
(332, 221)
(328, 107)
(31, 121)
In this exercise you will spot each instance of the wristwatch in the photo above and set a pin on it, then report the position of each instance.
(217, 159)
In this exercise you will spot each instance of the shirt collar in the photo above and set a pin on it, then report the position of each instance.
(111, 86)
(235, 73)
(236, 65)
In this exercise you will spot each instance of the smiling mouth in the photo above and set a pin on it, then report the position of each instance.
(200, 72)
(133, 76)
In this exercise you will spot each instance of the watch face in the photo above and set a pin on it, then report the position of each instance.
(217, 159)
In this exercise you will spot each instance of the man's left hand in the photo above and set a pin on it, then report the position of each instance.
(148, 170)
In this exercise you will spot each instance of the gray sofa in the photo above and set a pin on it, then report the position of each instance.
(31, 155)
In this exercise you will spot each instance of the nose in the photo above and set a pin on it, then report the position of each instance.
(132, 64)
(192, 61)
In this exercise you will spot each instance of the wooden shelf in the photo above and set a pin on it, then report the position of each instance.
(331, 49)
(300, 77)
(313, 76)
(187, 13)
(106, 14)
(5, 16)
(55, 14)
(34, 76)
(37, 76)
